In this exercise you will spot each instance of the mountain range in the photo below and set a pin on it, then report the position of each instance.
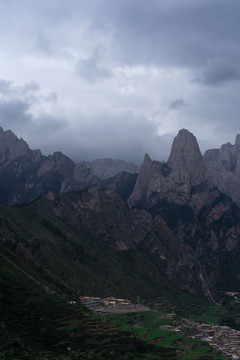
(191, 200)
(112, 228)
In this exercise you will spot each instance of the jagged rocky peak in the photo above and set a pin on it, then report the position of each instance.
(56, 162)
(174, 180)
(237, 140)
(186, 160)
(139, 195)
(184, 148)
(224, 168)
(147, 159)
(11, 147)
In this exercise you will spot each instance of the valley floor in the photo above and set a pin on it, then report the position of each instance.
(221, 338)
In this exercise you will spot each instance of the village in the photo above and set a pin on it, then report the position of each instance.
(221, 338)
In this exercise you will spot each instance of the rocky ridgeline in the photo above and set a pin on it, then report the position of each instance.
(188, 178)
(11, 147)
(26, 174)
(174, 180)
(175, 209)
(183, 193)
(224, 168)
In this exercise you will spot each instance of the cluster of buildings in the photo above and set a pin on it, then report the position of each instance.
(222, 338)
(111, 305)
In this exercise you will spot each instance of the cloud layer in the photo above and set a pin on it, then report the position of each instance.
(119, 78)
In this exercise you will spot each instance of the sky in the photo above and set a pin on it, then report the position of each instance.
(108, 78)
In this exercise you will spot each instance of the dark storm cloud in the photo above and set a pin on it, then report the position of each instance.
(124, 136)
(147, 51)
(219, 71)
(176, 104)
(182, 33)
(16, 102)
(14, 114)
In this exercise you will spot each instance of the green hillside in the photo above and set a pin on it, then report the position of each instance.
(72, 251)
(39, 323)
(55, 249)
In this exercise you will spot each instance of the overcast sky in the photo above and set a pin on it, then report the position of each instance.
(118, 78)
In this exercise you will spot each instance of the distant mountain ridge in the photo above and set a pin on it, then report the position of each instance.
(165, 231)
(107, 168)
(26, 174)
(170, 216)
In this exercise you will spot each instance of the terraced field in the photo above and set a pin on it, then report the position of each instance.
(149, 330)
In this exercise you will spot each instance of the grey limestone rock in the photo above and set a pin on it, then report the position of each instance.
(82, 177)
(224, 168)
(11, 147)
(173, 180)
(186, 160)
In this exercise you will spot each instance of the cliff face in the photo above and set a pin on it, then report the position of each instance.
(186, 161)
(25, 174)
(173, 180)
(224, 168)
(143, 241)
(11, 147)
(198, 214)
(183, 231)
(81, 177)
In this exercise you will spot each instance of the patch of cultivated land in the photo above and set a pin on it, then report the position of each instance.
(205, 336)
(221, 338)
(155, 327)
